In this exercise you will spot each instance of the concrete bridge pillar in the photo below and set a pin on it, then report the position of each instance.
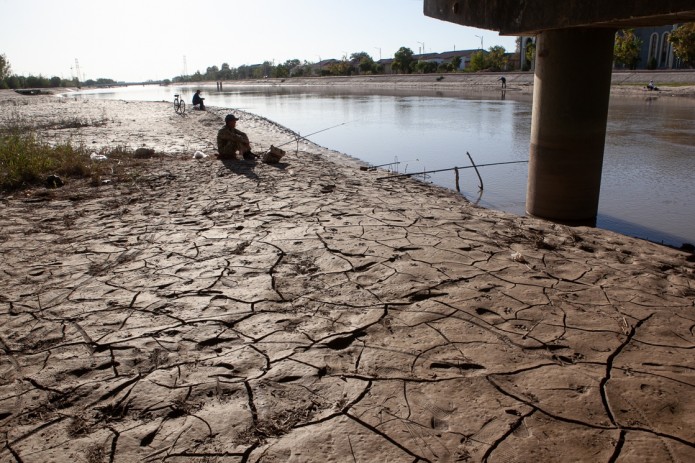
(570, 108)
(574, 53)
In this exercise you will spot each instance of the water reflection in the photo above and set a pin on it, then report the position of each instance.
(647, 184)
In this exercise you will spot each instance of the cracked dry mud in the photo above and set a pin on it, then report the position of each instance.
(307, 312)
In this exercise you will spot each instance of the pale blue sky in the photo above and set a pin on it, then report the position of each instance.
(147, 39)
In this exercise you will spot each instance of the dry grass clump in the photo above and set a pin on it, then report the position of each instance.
(26, 161)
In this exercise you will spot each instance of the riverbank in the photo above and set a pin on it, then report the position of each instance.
(307, 311)
(679, 83)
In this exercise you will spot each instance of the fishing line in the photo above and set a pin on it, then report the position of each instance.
(448, 169)
(296, 139)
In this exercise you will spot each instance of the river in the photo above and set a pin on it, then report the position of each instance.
(648, 181)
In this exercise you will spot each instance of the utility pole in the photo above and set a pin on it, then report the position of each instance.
(77, 69)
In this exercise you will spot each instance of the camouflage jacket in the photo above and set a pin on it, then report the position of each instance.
(227, 135)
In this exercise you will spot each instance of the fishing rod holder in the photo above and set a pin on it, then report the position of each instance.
(372, 168)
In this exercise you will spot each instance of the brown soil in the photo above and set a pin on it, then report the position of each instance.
(201, 311)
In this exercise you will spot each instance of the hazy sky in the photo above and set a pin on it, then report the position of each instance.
(148, 39)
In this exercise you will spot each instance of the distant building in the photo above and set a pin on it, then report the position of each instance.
(465, 56)
(323, 66)
(657, 51)
(386, 65)
(438, 58)
(524, 43)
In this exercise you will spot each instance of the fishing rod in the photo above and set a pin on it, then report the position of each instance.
(314, 133)
(450, 168)
(394, 163)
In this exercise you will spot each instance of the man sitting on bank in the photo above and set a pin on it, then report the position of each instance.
(231, 140)
(198, 101)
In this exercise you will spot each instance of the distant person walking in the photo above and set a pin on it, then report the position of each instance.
(231, 140)
(198, 101)
(504, 82)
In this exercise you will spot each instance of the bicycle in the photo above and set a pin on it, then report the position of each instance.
(179, 105)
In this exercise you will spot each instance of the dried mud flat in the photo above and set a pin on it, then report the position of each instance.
(308, 312)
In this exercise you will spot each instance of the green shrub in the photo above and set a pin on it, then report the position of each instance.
(25, 162)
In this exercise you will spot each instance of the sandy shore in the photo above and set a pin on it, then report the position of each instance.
(309, 312)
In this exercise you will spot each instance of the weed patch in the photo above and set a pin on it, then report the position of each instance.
(26, 161)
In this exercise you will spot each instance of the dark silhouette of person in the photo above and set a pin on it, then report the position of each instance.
(504, 81)
(198, 101)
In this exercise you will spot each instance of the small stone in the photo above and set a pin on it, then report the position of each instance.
(143, 153)
(53, 181)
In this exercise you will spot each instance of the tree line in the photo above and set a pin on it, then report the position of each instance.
(626, 53)
(14, 81)
(404, 61)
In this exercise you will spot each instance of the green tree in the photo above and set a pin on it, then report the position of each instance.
(283, 70)
(456, 63)
(243, 72)
(357, 56)
(683, 40)
(265, 70)
(341, 68)
(365, 63)
(196, 77)
(14, 81)
(225, 72)
(304, 69)
(496, 58)
(478, 62)
(211, 73)
(426, 67)
(627, 48)
(5, 73)
(37, 82)
(530, 53)
(5, 68)
(403, 60)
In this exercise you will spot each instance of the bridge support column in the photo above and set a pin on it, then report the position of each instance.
(570, 109)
